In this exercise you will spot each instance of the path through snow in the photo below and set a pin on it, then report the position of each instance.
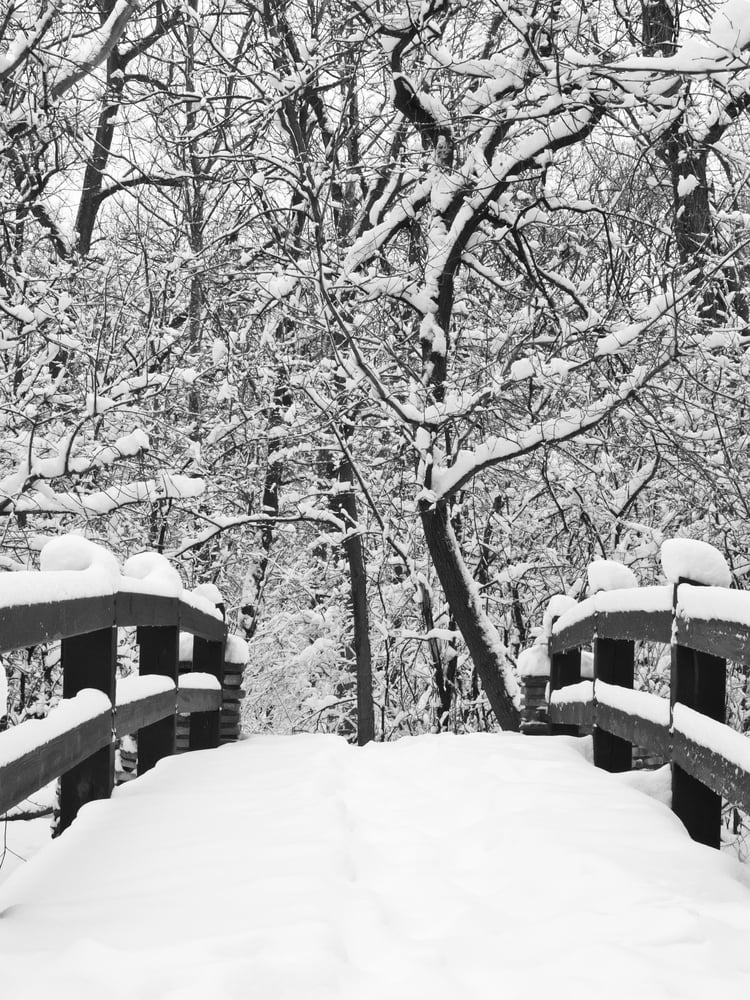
(435, 867)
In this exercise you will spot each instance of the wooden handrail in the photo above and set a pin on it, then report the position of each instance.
(81, 751)
(727, 637)
(28, 625)
(708, 758)
(57, 748)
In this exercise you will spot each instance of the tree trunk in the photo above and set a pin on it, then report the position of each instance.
(88, 206)
(282, 400)
(480, 635)
(344, 505)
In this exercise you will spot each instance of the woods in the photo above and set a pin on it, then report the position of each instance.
(385, 317)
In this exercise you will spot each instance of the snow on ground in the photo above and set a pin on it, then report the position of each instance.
(438, 866)
(20, 840)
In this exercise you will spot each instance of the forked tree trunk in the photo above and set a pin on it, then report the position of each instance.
(480, 635)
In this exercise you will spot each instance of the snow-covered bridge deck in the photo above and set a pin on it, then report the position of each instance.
(440, 867)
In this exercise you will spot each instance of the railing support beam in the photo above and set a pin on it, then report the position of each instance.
(88, 661)
(699, 682)
(565, 669)
(205, 727)
(614, 661)
(158, 654)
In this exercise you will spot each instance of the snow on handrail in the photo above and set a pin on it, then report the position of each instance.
(709, 619)
(706, 625)
(81, 597)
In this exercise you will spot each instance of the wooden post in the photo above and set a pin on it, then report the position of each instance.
(205, 727)
(699, 682)
(614, 661)
(159, 654)
(565, 669)
(88, 661)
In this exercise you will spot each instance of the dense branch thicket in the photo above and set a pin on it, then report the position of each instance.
(387, 317)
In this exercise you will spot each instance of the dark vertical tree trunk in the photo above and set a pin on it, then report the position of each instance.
(96, 164)
(282, 400)
(443, 683)
(344, 505)
(88, 206)
(685, 158)
(480, 635)
(344, 502)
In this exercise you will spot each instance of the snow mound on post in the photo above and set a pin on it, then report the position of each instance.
(534, 661)
(72, 552)
(694, 561)
(607, 574)
(557, 605)
(155, 572)
(236, 650)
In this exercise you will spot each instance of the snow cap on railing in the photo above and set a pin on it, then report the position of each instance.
(557, 605)
(607, 574)
(72, 552)
(208, 598)
(210, 591)
(699, 562)
(155, 572)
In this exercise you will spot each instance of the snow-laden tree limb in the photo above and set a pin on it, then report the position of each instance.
(95, 48)
(445, 480)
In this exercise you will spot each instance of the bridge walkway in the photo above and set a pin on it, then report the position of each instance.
(434, 867)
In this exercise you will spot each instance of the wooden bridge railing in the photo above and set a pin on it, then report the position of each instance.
(705, 626)
(76, 741)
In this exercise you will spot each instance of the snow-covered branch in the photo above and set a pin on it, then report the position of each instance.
(95, 48)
